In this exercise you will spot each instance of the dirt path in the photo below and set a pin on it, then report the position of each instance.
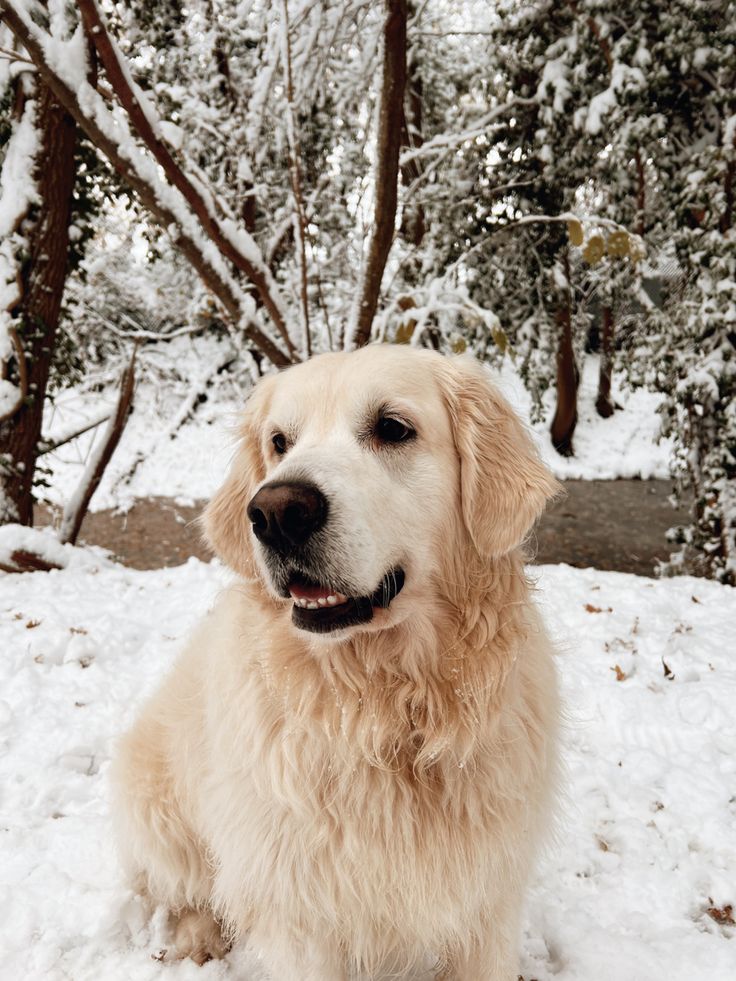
(609, 524)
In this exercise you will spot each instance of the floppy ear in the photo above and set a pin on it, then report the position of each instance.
(225, 522)
(503, 483)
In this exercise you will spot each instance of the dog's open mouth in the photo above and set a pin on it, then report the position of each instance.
(321, 610)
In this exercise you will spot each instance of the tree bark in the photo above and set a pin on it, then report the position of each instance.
(566, 413)
(604, 406)
(388, 146)
(42, 285)
(413, 224)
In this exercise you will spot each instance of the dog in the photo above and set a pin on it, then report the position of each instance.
(354, 760)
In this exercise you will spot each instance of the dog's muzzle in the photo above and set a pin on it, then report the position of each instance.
(286, 517)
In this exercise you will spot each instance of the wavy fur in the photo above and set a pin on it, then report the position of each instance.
(361, 803)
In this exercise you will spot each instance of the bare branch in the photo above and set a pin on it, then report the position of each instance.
(76, 508)
(388, 146)
(48, 446)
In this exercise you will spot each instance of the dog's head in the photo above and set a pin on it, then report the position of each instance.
(357, 472)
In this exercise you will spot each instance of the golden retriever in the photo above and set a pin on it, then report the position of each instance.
(353, 760)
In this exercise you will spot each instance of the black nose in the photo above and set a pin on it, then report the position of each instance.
(284, 515)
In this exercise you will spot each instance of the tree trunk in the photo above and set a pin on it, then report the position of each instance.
(413, 225)
(42, 284)
(566, 413)
(604, 406)
(388, 145)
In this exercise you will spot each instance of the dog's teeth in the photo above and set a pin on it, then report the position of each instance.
(312, 606)
(322, 601)
(331, 600)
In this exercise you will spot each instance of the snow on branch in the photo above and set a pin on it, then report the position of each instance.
(58, 64)
(17, 194)
(451, 141)
(235, 243)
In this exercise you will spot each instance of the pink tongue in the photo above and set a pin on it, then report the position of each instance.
(309, 592)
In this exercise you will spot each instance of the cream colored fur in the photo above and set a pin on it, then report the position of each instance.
(355, 802)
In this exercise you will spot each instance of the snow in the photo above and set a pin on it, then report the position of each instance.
(644, 845)
(622, 447)
(624, 78)
(18, 191)
(554, 77)
(41, 542)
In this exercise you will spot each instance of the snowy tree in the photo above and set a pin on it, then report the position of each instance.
(37, 183)
(689, 351)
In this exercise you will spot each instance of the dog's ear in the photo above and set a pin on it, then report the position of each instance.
(503, 483)
(225, 521)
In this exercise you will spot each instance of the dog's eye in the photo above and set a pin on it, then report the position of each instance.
(390, 430)
(279, 443)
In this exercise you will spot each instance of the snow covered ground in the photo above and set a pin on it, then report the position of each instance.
(190, 465)
(646, 846)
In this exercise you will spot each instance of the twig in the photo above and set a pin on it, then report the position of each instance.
(48, 446)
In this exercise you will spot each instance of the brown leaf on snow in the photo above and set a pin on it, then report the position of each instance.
(722, 915)
(597, 609)
(668, 673)
(620, 675)
(695, 599)
(32, 623)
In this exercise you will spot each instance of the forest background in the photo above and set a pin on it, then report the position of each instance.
(525, 182)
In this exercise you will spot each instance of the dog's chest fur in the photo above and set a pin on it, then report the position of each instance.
(327, 801)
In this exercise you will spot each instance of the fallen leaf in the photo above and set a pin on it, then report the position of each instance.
(620, 675)
(32, 623)
(722, 915)
(667, 672)
(598, 609)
